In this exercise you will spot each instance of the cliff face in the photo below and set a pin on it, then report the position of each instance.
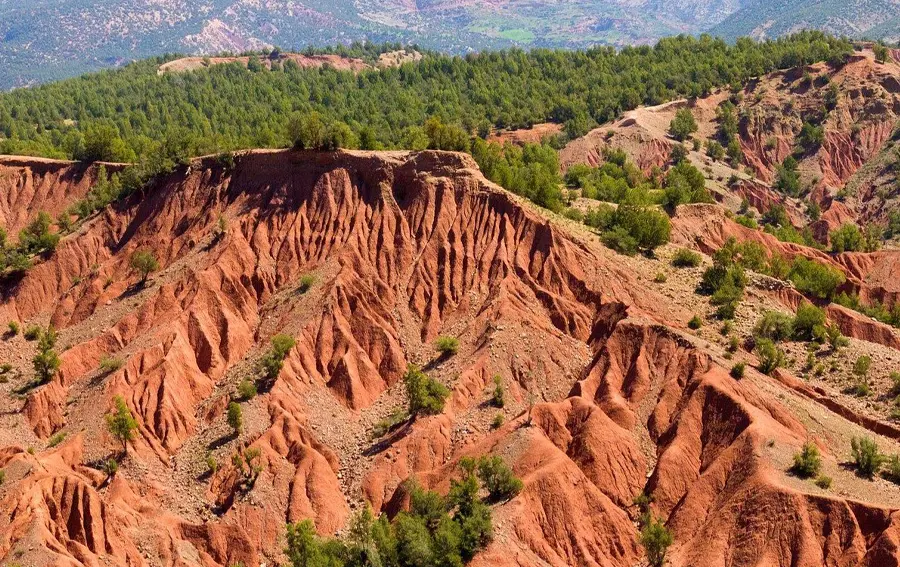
(607, 395)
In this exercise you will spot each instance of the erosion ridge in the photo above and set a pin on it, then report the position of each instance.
(608, 395)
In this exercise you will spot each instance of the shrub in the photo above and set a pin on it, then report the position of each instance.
(144, 263)
(895, 383)
(808, 462)
(737, 371)
(13, 328)
(835, 339)
(498, 398)
(32, 333)
(774, 326)
(860, 387)
(770, 356)
(861, 366)
(660, 278)
(866, 455)
(212, 465)
(56, 439)
(695, 323)
(620, 240)
(497, 422)
(733, 344)
(715, 150)
(685, 258)
(847, 238)
(809, 324)
(823, 482)
(683, 125)
(109, 364)
(447, 346)
(893, 468)
(36, 237)
(814, 278)
(273, 361)
(111, 467)
(235, 418)
(46, 362)
(246, 389)
(650, 228)
(656, 539)
(120, 423)
(306, 283)
(497, 478)
(426, 396)
(388, 424)
(811, 137)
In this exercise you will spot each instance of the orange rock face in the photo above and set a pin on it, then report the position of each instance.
(606, 396)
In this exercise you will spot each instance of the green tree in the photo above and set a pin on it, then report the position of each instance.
(235, 418)
(144, 263)
(120, 423)
(683, 125)
(656, 539)
(426, 396)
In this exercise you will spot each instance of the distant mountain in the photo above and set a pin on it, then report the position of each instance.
(49, 39)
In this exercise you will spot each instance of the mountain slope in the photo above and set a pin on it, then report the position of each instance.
(608, 394)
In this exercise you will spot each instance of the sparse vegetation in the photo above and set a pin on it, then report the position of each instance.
(737, 371)
(13, 328)
(823, 482)
(695, 323)
(56, 439)
(32, 333)
(109, 364)
(808, 462)
(390, 422)
(498, 421)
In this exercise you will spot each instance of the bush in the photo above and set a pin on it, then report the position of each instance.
(111, 467)
(212, 465)
(109, 364)
(656, 540)
(620, 240)
(808, 462)
(498, 398)
(774, 326)
(13, 328)
(32, 333)
(848, 238)
(246, 389)
(809, 324)
(861, 366)
(235, 418)
(823, 482)
(498, 478)
(649, 228)
(695, 323)
(660, 278)
(36, 237)
(46, 362)
(685, 258)
(866, 455)
(306, 283)
(144, 263)
(497, 422)
(770, 356)
(683, 125)
(56, 439)
(426, 396)
(814, 278)
(273, 361)
(893, 468)
(447, 346)
(811, 137)
(387, 424)
(737, 371)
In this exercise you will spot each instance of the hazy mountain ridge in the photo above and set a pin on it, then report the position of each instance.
(54, 39)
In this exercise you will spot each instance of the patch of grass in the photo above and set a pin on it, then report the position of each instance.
(109, 364)
(56, 439)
